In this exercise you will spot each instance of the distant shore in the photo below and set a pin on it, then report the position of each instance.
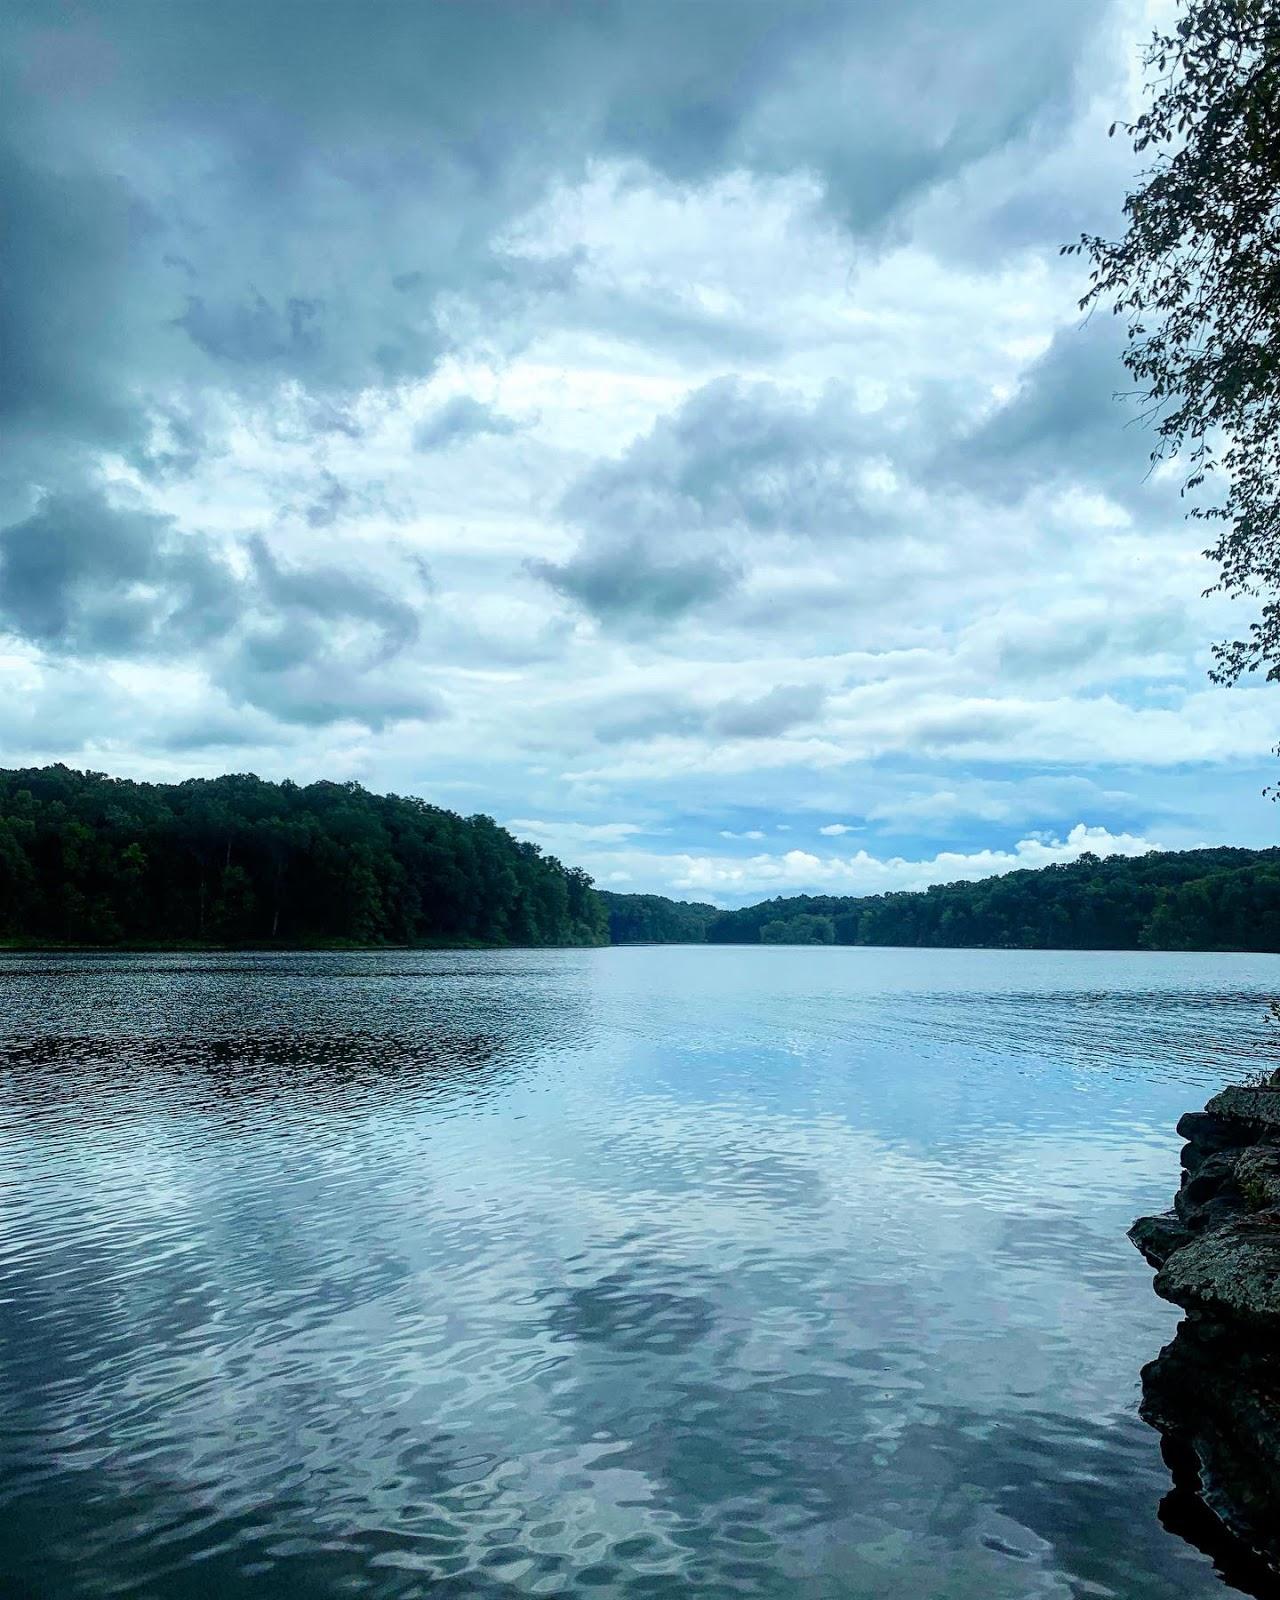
(93, 862)
(350, 947)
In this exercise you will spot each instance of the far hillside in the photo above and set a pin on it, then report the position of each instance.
(1222, 899)
(88, 859)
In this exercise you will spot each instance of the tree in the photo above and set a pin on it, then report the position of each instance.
(87, 858)
(802, 929)
(1197, 275)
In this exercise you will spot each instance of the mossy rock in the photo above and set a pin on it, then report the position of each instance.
(1257, 1176)
(1158, 1237)
(1231, 1273)
(1258, 1106)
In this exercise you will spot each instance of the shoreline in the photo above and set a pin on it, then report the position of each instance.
(1213, 1392)
(319, 947)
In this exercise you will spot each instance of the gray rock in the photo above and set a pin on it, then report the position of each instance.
(1214, 1174)
(1231, 1273)
(1257, 1177)
(1158, 1237)
(1216, 1400)
(1239, 1103)
(1206, 1133)
(1214, 1391)
(1204, 1215)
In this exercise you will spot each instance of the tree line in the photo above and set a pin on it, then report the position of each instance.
(1222, 899)
(89, 859)
(93, 860)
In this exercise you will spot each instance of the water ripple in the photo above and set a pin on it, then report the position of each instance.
(622, 1273)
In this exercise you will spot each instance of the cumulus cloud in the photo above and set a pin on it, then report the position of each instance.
(82, 577)
(236, 146)
(735, 455)
(736, 879)
(79, 575)
(633, 717)
(329, 504)
(797, 871)
(735, 459)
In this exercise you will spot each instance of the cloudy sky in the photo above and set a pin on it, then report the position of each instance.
(666, 427)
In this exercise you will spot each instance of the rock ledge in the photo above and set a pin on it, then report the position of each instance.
(1214, 1392)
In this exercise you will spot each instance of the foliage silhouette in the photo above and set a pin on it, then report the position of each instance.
(1195, 276)
(88, 859)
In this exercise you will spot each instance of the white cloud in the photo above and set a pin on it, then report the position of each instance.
(798, 871)
(577, 833)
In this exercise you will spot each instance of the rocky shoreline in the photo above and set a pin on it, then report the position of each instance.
(1214, 1391)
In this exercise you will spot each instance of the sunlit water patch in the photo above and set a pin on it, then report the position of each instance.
(638, 1272)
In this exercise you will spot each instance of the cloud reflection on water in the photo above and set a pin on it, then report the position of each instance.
(592, 1271)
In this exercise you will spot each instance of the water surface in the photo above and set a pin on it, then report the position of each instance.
(649, 1272)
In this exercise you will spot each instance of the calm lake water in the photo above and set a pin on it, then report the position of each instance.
(648, 1272)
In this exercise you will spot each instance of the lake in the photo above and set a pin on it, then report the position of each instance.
(637, 1272)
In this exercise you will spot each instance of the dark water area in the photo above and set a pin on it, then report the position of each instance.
(647, 1272)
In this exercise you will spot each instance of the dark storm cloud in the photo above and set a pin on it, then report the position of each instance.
(460, 419)
(204, 208)
(68, 249)
(331, 594)
(225, 195)
(290, 670)
(80, 577)
(319, 645)
(224, 730)
(253, 332)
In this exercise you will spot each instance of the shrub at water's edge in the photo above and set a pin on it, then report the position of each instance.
(87, 859)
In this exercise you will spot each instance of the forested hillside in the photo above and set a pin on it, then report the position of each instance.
(87, 859)
(1223, 899)
(95, 860)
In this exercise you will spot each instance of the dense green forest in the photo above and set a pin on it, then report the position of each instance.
(87, 859)
(1223, 899)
